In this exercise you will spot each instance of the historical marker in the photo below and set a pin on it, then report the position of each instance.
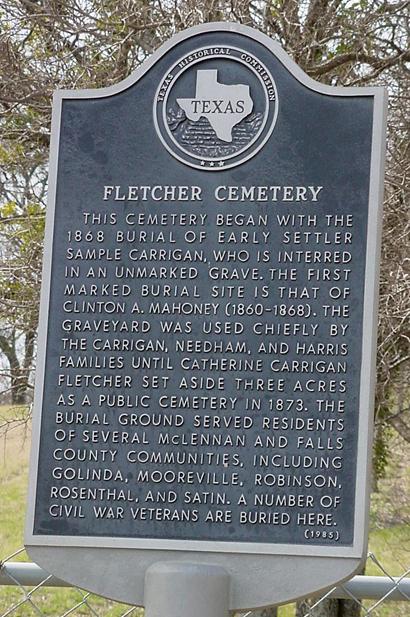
(206, 355)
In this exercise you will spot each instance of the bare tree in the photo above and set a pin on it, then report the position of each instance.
(49, 44)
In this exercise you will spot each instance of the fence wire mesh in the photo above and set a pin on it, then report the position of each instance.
(19, 600)
(42, 600)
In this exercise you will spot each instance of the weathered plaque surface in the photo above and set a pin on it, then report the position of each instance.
(205, 376)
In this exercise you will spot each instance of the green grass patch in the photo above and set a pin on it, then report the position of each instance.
(391, 548)
(14, 453)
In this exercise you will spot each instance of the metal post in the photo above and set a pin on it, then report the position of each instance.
(175, 589)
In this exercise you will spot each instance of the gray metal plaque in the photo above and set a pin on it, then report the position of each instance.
(206, 354)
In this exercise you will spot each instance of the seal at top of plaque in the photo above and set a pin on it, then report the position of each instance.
(215, 108)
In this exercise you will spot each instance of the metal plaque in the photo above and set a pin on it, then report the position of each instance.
(205, 378)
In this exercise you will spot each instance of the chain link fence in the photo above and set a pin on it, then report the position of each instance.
(48, 597)
(26, 591)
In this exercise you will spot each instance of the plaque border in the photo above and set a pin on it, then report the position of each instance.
(368, 364)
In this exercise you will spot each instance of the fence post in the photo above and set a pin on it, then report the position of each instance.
(174, 589)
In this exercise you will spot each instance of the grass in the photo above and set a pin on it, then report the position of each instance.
(389, 535)
(15, 439)
(14, 453)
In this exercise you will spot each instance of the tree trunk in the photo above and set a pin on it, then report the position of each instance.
(19, 372)
(325, 608)
(272, 611)
(328, 608)
(349, 608)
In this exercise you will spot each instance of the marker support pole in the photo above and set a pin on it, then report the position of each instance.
(174, 589)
